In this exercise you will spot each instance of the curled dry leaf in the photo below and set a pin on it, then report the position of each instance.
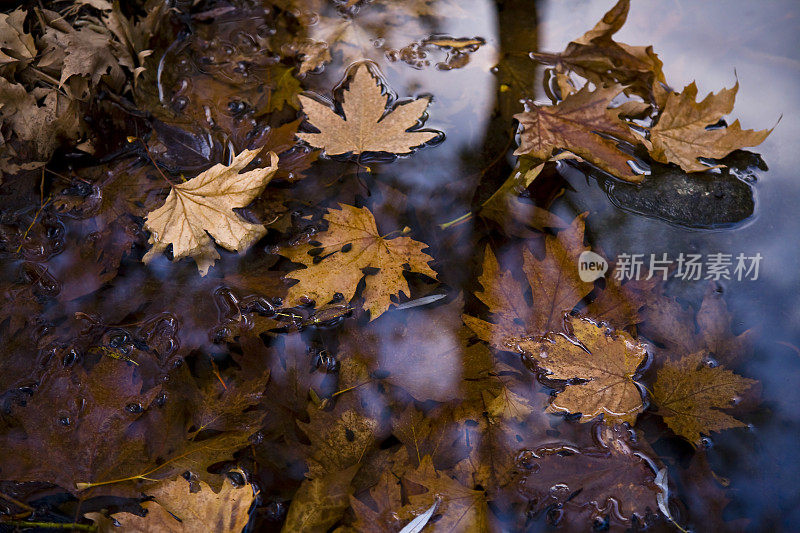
(366, 126)
(177, 509)
(204, 205)
(691, 395)
(606, 364)
(352, 243)
(681, 135)
(576, 124)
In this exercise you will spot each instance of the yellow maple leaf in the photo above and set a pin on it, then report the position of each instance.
(350, 244)
(366, 126)
(605, 361)
(690, 396)
(202, 208)
(680, 136)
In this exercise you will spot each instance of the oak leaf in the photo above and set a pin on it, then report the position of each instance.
(366, 126)
(691, 395)
(352, 243)
(580, 124)
(605, 362)
(178, 509)
(681, 134)
(204, 205)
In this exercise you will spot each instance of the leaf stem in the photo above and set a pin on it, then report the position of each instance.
(50, 525)
(152, 159)
(456, 221)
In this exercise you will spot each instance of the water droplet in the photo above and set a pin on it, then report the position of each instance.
(134, 408)
(64, 421)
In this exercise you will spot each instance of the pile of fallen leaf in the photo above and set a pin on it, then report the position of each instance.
(358, 364)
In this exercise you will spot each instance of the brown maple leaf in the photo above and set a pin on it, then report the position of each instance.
(682, 135)
(351, 244)
(580, 124)
(555, 288)
(367, 126)
(320, 502)
(461, 508)
(691, 395)
(178, 509)
(204, 205)
(598, 58)
(606, 364)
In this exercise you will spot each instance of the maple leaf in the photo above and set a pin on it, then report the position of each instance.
(605, 362)
(681, 134)
(352, 243)
(576, 124)
(65, 431)
(17, 47)
(461, 508)
(204, 205)
(386, 498)
(691, 395)
(320, 502)
(609, 475)
(598, 58)
(366, 126)
(178, 509)
(555, 287)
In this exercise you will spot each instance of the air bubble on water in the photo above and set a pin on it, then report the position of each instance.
(706, 442)
(134, 408)
(64, 421)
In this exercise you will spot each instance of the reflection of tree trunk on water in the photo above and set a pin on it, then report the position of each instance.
(515, 78)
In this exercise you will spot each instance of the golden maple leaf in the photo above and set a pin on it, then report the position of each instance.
(366, 126)
(350, 244)
(574, 125)
(680, 136)
(690, 396)
(204, 205)
(178, 510)
(606, 363)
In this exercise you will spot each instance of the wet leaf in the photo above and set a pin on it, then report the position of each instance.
(682, 135)
(576, 124)
(319, 503)
(555, 289)
(351, 244)
(606, 364)
(461, 508)
(367, 126)
(204, 205)
(178, 509)
(691, 395)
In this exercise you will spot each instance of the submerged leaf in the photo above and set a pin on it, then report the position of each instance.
(691, 395)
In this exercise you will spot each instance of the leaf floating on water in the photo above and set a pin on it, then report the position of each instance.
(681, 134)
(202, 208)
(691, 395)
(352, 243)
(575, 124)
(367, 126)
(605, 362)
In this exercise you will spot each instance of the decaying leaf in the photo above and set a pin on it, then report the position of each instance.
(555, 287)
(204, 206)
(691, 395)
(320, 502)
(367, 126)
(461, 508)
(351, 244)
(682, 135)
(576, 124)
(606, 364)
(177, 509)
